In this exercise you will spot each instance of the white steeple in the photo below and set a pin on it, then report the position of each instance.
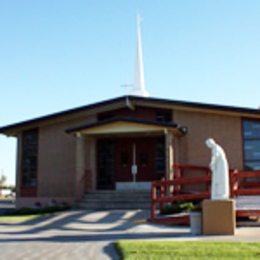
(138, 84)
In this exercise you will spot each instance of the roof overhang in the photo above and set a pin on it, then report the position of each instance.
(127, 126)
(131, 102)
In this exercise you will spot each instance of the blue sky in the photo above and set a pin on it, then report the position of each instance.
(56, 55)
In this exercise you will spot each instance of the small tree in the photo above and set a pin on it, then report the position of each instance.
(3, 180)
(12, 188)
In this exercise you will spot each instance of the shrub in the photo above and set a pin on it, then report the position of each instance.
(178, 208)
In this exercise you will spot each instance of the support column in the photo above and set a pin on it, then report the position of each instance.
(169, 155)
(80, 158)
(90, 161)
(19, 166)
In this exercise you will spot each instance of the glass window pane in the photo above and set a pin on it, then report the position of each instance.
(251, 130)
(29, 157)
(160, 157)
(164, 116)
(252, 166)
(252, 150)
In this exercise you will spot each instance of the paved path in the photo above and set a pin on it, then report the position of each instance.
(90, 235)
(6, 204)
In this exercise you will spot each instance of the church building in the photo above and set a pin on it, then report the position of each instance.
(126, 143)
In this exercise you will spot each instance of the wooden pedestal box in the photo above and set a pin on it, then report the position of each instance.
(218, 217)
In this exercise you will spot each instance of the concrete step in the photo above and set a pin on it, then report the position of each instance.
(87, 198)
(116, 200)
(114, 205)
(119, 193)
(126, 196)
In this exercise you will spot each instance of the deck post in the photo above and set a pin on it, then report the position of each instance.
(153, 195)
(177, 177)
(208, 183)
(232, 184)
(162, 190)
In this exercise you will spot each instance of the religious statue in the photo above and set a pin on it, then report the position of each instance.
(220, 172)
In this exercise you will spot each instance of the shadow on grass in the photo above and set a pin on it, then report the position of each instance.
(34, 221)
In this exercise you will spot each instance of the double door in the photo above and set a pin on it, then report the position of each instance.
(134, 159)
(119, 158)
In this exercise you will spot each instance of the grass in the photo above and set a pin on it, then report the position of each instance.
(25, 214)
(20, 218)
(190, 250)
(36, 211)
(6, 198)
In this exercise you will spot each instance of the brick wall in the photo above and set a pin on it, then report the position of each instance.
(226, 130)
(56, 163)
(57, 159)
(57, 149)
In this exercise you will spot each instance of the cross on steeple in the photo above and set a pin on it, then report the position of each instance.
(127, 86)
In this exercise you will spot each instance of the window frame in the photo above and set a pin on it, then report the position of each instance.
(245, 161)
(163, 116)
(27, 168)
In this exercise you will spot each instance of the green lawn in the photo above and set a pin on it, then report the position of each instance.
(6, 198)
(20, 218)
(187, 250)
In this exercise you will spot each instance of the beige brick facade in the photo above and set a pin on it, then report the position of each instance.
(226, 130)
(64, 158)
(56, 163)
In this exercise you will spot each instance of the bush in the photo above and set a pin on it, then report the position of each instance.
(33, 211)
(178, 208)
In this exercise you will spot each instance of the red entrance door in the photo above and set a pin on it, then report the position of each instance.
(144, 158)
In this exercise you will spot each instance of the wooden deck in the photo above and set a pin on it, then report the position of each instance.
(245, 191)
(247, 206)
(248, 202)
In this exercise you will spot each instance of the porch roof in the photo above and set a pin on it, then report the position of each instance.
(124, 125)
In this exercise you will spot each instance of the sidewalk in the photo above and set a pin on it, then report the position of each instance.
(90, 235)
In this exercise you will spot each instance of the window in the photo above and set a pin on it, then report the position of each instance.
(160, 158)
(251, 135)
(29, 158)
(164, 116)
(105, 164)
(105, 116)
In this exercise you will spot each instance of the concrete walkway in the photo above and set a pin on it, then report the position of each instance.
(5, 205)
(90, 235)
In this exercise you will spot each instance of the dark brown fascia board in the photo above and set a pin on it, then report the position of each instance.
(183, 130)
(176, 103)
(10, 130)
(164, 103)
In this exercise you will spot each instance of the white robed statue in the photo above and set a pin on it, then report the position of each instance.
(220, 172)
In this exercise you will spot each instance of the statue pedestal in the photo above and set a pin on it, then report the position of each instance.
(218, 217)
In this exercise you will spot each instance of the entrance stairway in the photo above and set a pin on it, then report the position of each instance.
(127, 199)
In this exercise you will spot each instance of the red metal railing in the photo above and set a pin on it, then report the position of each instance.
(242, 185)
(172, 191)
(183, 171)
